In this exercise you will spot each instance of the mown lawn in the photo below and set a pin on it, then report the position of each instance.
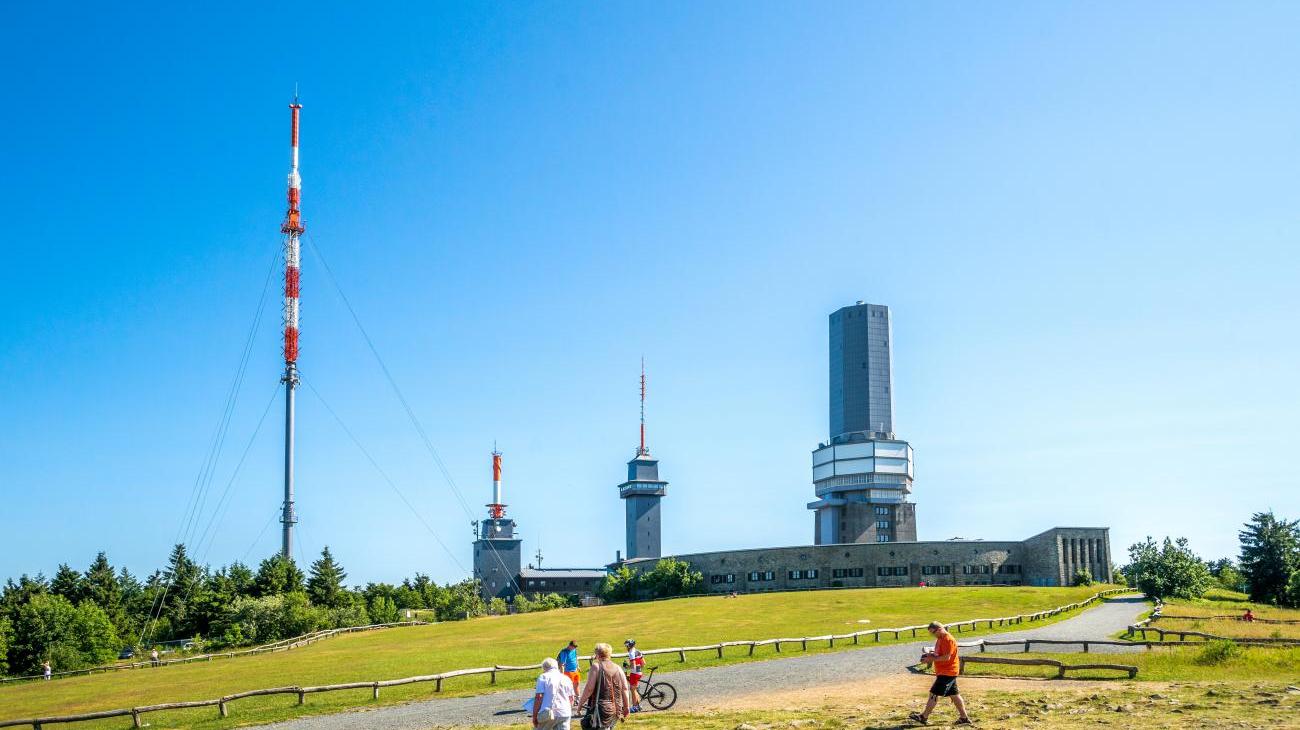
(522, 639)
(1228, 603)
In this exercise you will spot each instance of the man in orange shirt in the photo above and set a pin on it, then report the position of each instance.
(946, 668)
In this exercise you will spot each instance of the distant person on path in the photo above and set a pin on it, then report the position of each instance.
(568, 658)
(606, 693)
(553, 698)
(635, 663)
(153, 657)
(1249, 617)
(46, 670)
(946, 669)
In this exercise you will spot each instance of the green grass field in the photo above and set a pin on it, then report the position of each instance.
(1228, 603)
(526, 638)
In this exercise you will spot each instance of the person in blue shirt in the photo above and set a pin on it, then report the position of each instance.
(568, 659)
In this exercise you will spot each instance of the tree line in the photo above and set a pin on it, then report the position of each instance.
(1267, 566)
(83, 619)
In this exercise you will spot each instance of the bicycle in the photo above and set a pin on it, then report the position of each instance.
(660, 695)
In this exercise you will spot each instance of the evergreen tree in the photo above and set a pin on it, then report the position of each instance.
(67, 583)
(276, 576)
(1270, 554)
(326, 583)
(100, 586)
(241, 579)
(6, 638)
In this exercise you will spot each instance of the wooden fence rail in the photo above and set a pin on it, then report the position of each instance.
(1234, 617)
(281, 645)
(437, 679)
(1061, 667)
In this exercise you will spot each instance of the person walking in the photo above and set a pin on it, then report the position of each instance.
(946, 668)
(553, 698)
(47, 670)
(605, 696)
(568, 659)
(635, 664)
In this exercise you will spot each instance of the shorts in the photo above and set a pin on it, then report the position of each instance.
(577, 681)
(634, 679)
(944, 686)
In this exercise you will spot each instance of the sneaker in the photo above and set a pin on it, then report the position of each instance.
(918, 717)
(963, 721)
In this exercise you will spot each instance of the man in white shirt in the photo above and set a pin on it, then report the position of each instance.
(553, 698)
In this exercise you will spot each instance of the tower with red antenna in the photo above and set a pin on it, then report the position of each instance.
(641, 494)
(498, 554)
(292, 228)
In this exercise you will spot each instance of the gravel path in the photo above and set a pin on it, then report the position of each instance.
(708, 685)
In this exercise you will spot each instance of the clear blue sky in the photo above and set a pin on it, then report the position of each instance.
(1083, 216)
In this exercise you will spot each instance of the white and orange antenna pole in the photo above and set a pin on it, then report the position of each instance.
(642, 450)
(496, 510)
(292, 228)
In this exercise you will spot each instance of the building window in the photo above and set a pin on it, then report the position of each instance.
(882, 510)
(936, 570)
(1008, 569)
(892, 570)
(769, 575)
(882, 538)
(722, 578)
(755, 575)
(847, 573)
(882, 524)
(803, 574)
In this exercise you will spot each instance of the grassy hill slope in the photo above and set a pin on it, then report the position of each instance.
(521, 639)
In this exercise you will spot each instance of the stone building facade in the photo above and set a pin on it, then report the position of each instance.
(1047, 559)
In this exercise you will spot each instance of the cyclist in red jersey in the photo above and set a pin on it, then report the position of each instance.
(635, 664)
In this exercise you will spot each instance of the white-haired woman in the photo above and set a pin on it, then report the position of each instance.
(606, 692)
(553, 698)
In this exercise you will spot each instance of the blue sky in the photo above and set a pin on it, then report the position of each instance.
(1083, 217)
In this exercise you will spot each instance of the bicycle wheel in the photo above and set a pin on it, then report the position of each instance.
(660, 695)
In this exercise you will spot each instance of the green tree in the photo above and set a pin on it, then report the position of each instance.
(70, 637)
(276, 576)
(1293, 590)
(672, 577)
(383, 610)
(326, 583)
(1083, 577)
(101, 587)
(67, 583)
(6, 638)
(1270, 554)
(619, 585)
(459, 601)
(1170, 570)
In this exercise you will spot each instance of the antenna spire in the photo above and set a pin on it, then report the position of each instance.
(642, 451)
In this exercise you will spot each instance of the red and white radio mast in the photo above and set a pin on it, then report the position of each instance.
(496, 510)
(292, 228)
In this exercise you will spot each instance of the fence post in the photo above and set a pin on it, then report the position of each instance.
(494, 677)
(719, 651)
(681, 655)
(751, 648)
(804, 643)
(302, 697)
(1085, 647)
(1026, 646)
(777, 644)
(1060, 672)
(221, 707)
(376, 695)
(135, 718)
(437, 687)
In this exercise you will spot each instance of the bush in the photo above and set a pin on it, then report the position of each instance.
(1217, 652)
(1083, 577)
(1167, 571)
(383, 610)
(70, 637)
(1293, 590)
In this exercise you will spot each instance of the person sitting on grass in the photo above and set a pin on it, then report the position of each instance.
(1249, 617)
(946, 668)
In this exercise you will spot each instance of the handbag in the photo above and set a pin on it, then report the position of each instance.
(591, 718)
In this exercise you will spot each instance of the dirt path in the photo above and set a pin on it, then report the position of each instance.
(833, 673)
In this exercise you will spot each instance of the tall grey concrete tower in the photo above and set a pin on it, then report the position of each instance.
(863, 474)
(641, 494)
(498, 554)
